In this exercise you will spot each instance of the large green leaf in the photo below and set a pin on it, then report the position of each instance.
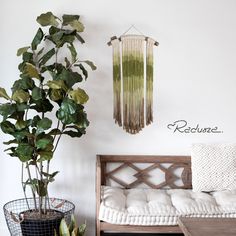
(7, 127)
(7, 110)
(57, 84)
(43, 105)
(55, 68)
(44, 124)
(20, 124)
(77, 25)
(43, 143)
(79, 38)
(45, 155)
(38, 93)
(24, 152)
(91, 64)
(73, 134)
(31, 71)
(81, 119)
(41, 187)
(12, 110)
(50, 175)
(53, 30)
(13, 152)
(56, 94)
(54, 132)
(47, 56)
(73, 21)
(72, 224)
(79, 96)
(67, 19)
(3, 94)
(55, 35)
(22, 50)
(20, 96)
(20, 135)
(64, 231)
(60, 36)
(68, 64)
(70, 77)
(22, 107)
(82, 229)
(76, 130)
(84, 71)
(74, 232)
(35, 121)
(37, 39)
(25, 83)
(28, 56)
(47, 19)
(67, 112)
(10, 142)
(73, 52)
(68, 38)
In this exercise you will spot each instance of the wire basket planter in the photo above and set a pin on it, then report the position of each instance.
(20, 225)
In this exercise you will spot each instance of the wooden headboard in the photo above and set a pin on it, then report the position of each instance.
(166, 164)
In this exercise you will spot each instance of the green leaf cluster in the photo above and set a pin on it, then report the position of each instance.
(72, 229)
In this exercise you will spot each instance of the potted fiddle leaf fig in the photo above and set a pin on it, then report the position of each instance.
(50, 74)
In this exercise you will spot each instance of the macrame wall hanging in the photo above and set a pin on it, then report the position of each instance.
(133, 80)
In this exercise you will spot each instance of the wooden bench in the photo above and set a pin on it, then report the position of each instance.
(167, 164)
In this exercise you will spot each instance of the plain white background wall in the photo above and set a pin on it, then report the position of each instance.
(195, 80)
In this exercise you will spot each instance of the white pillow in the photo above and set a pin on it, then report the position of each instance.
(213, 167)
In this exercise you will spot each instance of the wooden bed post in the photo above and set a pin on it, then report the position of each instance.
(98, 194)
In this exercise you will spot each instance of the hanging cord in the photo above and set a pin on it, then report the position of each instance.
(133, 27)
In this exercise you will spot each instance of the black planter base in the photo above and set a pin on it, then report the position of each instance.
(41, 227)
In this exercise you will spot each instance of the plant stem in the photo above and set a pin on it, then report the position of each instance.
(46, 197)
(22, 182)
(63, 127)
(33, 193)
(47, 171)
(58, 123)
(40, 197)
(57, 143)
(36, 171)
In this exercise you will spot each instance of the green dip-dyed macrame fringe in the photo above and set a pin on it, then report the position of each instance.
(149, 81)
(128, 81)
(116, 82)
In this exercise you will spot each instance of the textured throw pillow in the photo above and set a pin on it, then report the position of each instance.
(213, 167)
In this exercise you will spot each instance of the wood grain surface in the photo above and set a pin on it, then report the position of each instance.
(208, 226)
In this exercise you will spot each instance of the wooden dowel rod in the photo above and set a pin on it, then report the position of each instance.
(114, 37)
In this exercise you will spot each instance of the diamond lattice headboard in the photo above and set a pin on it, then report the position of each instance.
(174, 171)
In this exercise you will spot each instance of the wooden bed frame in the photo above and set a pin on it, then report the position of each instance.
(142, 177)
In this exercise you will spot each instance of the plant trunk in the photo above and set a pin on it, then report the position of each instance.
(33, 193)
(40, 197)
(23, 187)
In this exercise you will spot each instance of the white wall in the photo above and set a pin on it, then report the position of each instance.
(195, 80)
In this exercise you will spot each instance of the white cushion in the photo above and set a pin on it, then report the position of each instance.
(213, 167)
(162, 207)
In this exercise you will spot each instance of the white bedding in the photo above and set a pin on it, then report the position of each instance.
(163, 207)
